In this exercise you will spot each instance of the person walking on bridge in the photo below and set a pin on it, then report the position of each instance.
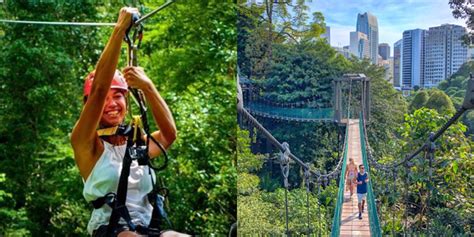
(362, 180)
(350, 175)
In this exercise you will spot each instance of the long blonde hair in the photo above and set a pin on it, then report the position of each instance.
(351, 161)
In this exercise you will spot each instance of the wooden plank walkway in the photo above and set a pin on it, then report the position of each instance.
(350, 224)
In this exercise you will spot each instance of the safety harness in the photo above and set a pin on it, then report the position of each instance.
(137, 149)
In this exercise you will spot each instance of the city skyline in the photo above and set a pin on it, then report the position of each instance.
(393, 17)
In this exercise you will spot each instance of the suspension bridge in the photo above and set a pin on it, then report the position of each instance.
(356, 145)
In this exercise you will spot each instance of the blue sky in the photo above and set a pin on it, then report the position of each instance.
(394, 16)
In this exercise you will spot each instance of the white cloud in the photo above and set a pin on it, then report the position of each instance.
(340, 35)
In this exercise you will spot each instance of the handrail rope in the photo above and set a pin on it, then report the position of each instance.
(371, 205)
(335, 229)
(432, 138)
(276, 143)
(58, 23)
(292, 118)
(428, 147)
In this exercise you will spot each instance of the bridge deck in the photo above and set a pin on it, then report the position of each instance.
(350, 224)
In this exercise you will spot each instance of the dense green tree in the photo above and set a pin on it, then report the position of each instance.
(441, 102)
(455, 86)
(449, 181)
(188, 51)
(264, 25)
(192, 55)
(261, 212)
(419, 100)
(38, 74)
(303, 72)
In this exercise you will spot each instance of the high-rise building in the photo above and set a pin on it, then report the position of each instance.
(359, 45)
(327, 35)
(444, 53)
(413, 58)
(397, 63)
(470, 53)
(388, 68)
(367, 24)
(384, 51)
(344, 51)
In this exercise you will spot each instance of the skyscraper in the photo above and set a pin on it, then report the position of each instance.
(327, 35)
(397, 63)
(359, 45)
(413, 58)
(384, 51)
(367, 24)
(444, 53)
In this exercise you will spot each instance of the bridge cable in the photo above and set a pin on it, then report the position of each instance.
(407, 184)
(285, 169)
(394, 197)
(307, 176)
(319, 207)
(430, 153)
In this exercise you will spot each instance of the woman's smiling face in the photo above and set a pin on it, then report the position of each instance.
(115, 108)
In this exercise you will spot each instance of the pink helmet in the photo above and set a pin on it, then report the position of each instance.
(117, 83)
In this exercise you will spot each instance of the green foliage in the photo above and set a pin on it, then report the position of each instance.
(189, 52)
(39, 77)
(440, 101)
(427, 198)
(419, 100)
(262, 212)
(302, 72)
(455, 87)
(248, 161)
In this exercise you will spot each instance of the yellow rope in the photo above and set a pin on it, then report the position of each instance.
(107, 131)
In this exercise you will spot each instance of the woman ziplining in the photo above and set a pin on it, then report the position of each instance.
(113, 160)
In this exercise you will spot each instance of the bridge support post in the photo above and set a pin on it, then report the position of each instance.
(337, 100)
(367, 100)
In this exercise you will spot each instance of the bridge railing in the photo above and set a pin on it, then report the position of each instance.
(374, 222)
(336, 223)
(293, 113)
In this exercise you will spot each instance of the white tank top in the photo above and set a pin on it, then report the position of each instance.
(104, 178)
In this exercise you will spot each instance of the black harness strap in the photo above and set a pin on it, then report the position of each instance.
(120, 209)
(136, 150)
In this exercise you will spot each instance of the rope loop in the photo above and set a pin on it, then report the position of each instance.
(307, 177)
(285, 163)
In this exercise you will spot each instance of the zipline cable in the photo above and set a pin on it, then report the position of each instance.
(58, 23)
(66, 23)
